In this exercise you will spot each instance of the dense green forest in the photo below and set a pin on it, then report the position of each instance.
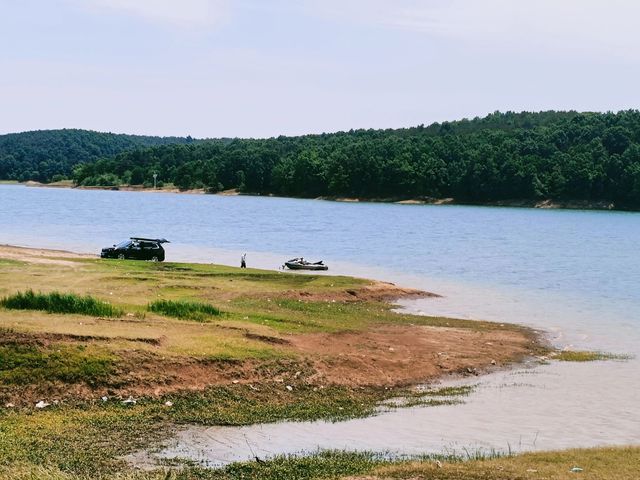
(504, 156)
(557, 155)
(49, 155)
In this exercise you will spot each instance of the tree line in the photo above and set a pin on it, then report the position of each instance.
(556, 155)
(51, 155)
(503, 156)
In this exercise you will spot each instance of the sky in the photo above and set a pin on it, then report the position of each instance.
(262, 68)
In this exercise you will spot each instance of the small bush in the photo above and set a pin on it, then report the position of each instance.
(184, 310)
(56, 302)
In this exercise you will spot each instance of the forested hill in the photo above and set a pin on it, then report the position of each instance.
(504, 156)
(44, 154)
(525, 156)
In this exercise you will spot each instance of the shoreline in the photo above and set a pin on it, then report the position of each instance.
(512, 203)
(364, 357)
(177, 387)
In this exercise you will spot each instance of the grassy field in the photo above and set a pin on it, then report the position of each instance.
(213, 345)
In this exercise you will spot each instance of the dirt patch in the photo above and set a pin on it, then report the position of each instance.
(267, 339)
(402, 355)
(38, 255)
(9, 337)
(388, 356)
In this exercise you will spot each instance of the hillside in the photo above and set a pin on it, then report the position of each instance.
(592, 157)
(561, 156)
(44, 154)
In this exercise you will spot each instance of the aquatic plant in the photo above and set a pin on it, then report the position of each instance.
(587, 356)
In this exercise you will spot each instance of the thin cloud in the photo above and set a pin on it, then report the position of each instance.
(607, 27)
(182, 13)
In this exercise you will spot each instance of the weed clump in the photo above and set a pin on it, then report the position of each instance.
(184, 310)
(56, 302)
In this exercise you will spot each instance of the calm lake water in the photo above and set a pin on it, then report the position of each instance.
(575, 274)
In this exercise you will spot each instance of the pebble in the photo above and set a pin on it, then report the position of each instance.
(290, 388)
(42, 404)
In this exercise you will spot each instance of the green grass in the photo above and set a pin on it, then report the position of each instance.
(57, 302)
(77, 444)
(29, 364)
(587, 356)
(327, 464)
(7, 262)
(268, 403)
(184, 310)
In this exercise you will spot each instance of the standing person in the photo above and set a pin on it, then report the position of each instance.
(243, 261)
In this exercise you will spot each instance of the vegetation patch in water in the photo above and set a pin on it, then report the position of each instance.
(463, 390)
(56, 302)
(587, 356)
(431, 397)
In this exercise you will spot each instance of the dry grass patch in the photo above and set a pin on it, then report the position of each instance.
(621, 463)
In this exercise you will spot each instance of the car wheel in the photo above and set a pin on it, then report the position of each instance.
(154, 258)
(121, 256)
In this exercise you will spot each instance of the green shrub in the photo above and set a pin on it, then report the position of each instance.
(184, 310)
(57, 302)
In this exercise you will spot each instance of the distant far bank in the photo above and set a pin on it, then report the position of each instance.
(513, 203)
(591, 159)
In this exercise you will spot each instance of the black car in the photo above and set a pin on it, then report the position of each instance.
(137, 249)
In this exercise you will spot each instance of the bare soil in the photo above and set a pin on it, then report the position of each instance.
(41, 255)
(387, 356)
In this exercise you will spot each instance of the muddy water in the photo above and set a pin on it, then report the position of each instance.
(548, 407)
(573, 274)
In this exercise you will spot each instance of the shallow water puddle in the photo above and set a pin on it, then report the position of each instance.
(519, 410)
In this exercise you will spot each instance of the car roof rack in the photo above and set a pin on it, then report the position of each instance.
(159, 240)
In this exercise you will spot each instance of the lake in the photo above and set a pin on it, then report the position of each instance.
(574, 274)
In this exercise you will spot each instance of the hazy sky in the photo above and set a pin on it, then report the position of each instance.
(213, 68)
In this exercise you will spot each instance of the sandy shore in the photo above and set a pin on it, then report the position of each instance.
(514, 203)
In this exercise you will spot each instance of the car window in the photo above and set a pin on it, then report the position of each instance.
(148, 245)
(124, 244)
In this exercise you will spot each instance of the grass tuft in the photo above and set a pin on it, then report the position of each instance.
(197, 311)
(57, 302)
